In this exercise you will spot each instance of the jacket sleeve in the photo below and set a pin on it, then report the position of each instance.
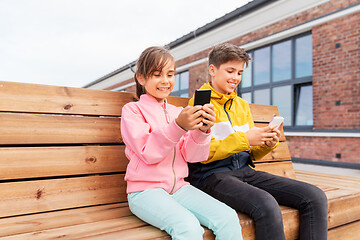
(150, 145)
(236, 142)
(258, 152)
(195, 146)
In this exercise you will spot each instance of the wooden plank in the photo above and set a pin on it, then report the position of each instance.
(55, 129)
(86, 230)
(284, 169)
(349, 231)
(263, 113)
(18, 198)
(32, 162)
(343, 209)
(281, 153)
(34, 98)
(52, 220)
(178, 101)
(330, 179)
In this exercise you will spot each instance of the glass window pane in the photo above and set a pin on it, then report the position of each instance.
(246, 96)
(282, 99)
(246, 76)
(303, 56)
(262, 66)
(184, 80)
(281, 61)
(304, 109)
(262, 96)
(177, 83)
(184, 95)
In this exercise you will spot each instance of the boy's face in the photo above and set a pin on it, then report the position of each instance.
(227, 77)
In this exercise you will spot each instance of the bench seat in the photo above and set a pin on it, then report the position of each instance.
(62, 167)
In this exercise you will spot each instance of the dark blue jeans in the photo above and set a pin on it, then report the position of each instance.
(259, 194)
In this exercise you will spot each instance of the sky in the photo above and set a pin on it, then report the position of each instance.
(74, 42)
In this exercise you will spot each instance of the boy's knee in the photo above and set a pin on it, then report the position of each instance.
(315, 198)
(269, 209)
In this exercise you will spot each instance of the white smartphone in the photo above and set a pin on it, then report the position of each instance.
(277, 121)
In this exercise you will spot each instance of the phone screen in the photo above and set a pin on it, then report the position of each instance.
(202, 96)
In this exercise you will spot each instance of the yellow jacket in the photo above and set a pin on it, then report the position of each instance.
(233, 120)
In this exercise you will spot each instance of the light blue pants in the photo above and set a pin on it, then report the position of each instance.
(181, 213)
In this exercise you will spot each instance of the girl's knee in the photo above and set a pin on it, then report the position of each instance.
(228, 226)
(186, 229)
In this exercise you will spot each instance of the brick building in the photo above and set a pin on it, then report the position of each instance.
(305, 60)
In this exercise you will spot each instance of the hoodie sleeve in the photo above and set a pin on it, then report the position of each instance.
(151, 146)
(236, 142)
(258, 152)
(195, 146)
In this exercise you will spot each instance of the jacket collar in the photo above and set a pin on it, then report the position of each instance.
(146, 98)
(219, 97)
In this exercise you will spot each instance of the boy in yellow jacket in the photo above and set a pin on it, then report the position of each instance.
(226, 174)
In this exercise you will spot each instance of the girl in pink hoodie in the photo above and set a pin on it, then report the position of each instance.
(160, 139)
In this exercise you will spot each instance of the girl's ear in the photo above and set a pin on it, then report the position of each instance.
(212, 70)
(140, 79)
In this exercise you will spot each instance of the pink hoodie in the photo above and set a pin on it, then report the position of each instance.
(158, 149)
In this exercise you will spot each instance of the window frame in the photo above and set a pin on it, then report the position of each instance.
(181, 91)
(293, 82)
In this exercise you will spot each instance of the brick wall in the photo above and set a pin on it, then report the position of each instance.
(336, 74)
(325, 148)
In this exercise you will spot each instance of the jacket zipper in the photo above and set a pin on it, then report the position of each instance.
(173, 161)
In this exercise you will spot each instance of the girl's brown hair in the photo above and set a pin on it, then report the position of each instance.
(151, 60)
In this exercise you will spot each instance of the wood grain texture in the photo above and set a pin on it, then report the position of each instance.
(18, 129)
(26, 197)
(35, 162)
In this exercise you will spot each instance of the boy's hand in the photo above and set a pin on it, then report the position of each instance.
(258, 136)
(275, 139)
(190, 118)
(209, 117)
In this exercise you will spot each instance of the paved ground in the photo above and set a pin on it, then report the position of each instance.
(324, 169)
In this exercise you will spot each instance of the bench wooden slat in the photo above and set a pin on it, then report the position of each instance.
(283, 169)
(33, 162)
(344, 202)
(281, 153)
(103, 227)
(263, 113)
(53, 129)
(53, 194)
(346, 232)
(57, 219)
(35, 98)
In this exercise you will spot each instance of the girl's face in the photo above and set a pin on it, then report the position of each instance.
(160, 84)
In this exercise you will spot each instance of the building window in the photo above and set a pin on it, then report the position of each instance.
(181, 87)
(281, 74)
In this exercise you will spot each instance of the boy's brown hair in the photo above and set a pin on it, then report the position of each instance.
(151, 60)
(224, 52)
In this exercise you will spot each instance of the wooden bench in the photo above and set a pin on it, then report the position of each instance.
(62, 168)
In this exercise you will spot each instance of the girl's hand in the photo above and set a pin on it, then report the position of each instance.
(209, 117)
(275, 139)
(258, 136)
(190, 118)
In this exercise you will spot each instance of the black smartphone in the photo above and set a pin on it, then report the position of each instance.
(202, 96)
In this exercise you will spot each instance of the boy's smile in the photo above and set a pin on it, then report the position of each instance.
(227, 77)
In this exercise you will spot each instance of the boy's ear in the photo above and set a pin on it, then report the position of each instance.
(212, 69)
(140, 79)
